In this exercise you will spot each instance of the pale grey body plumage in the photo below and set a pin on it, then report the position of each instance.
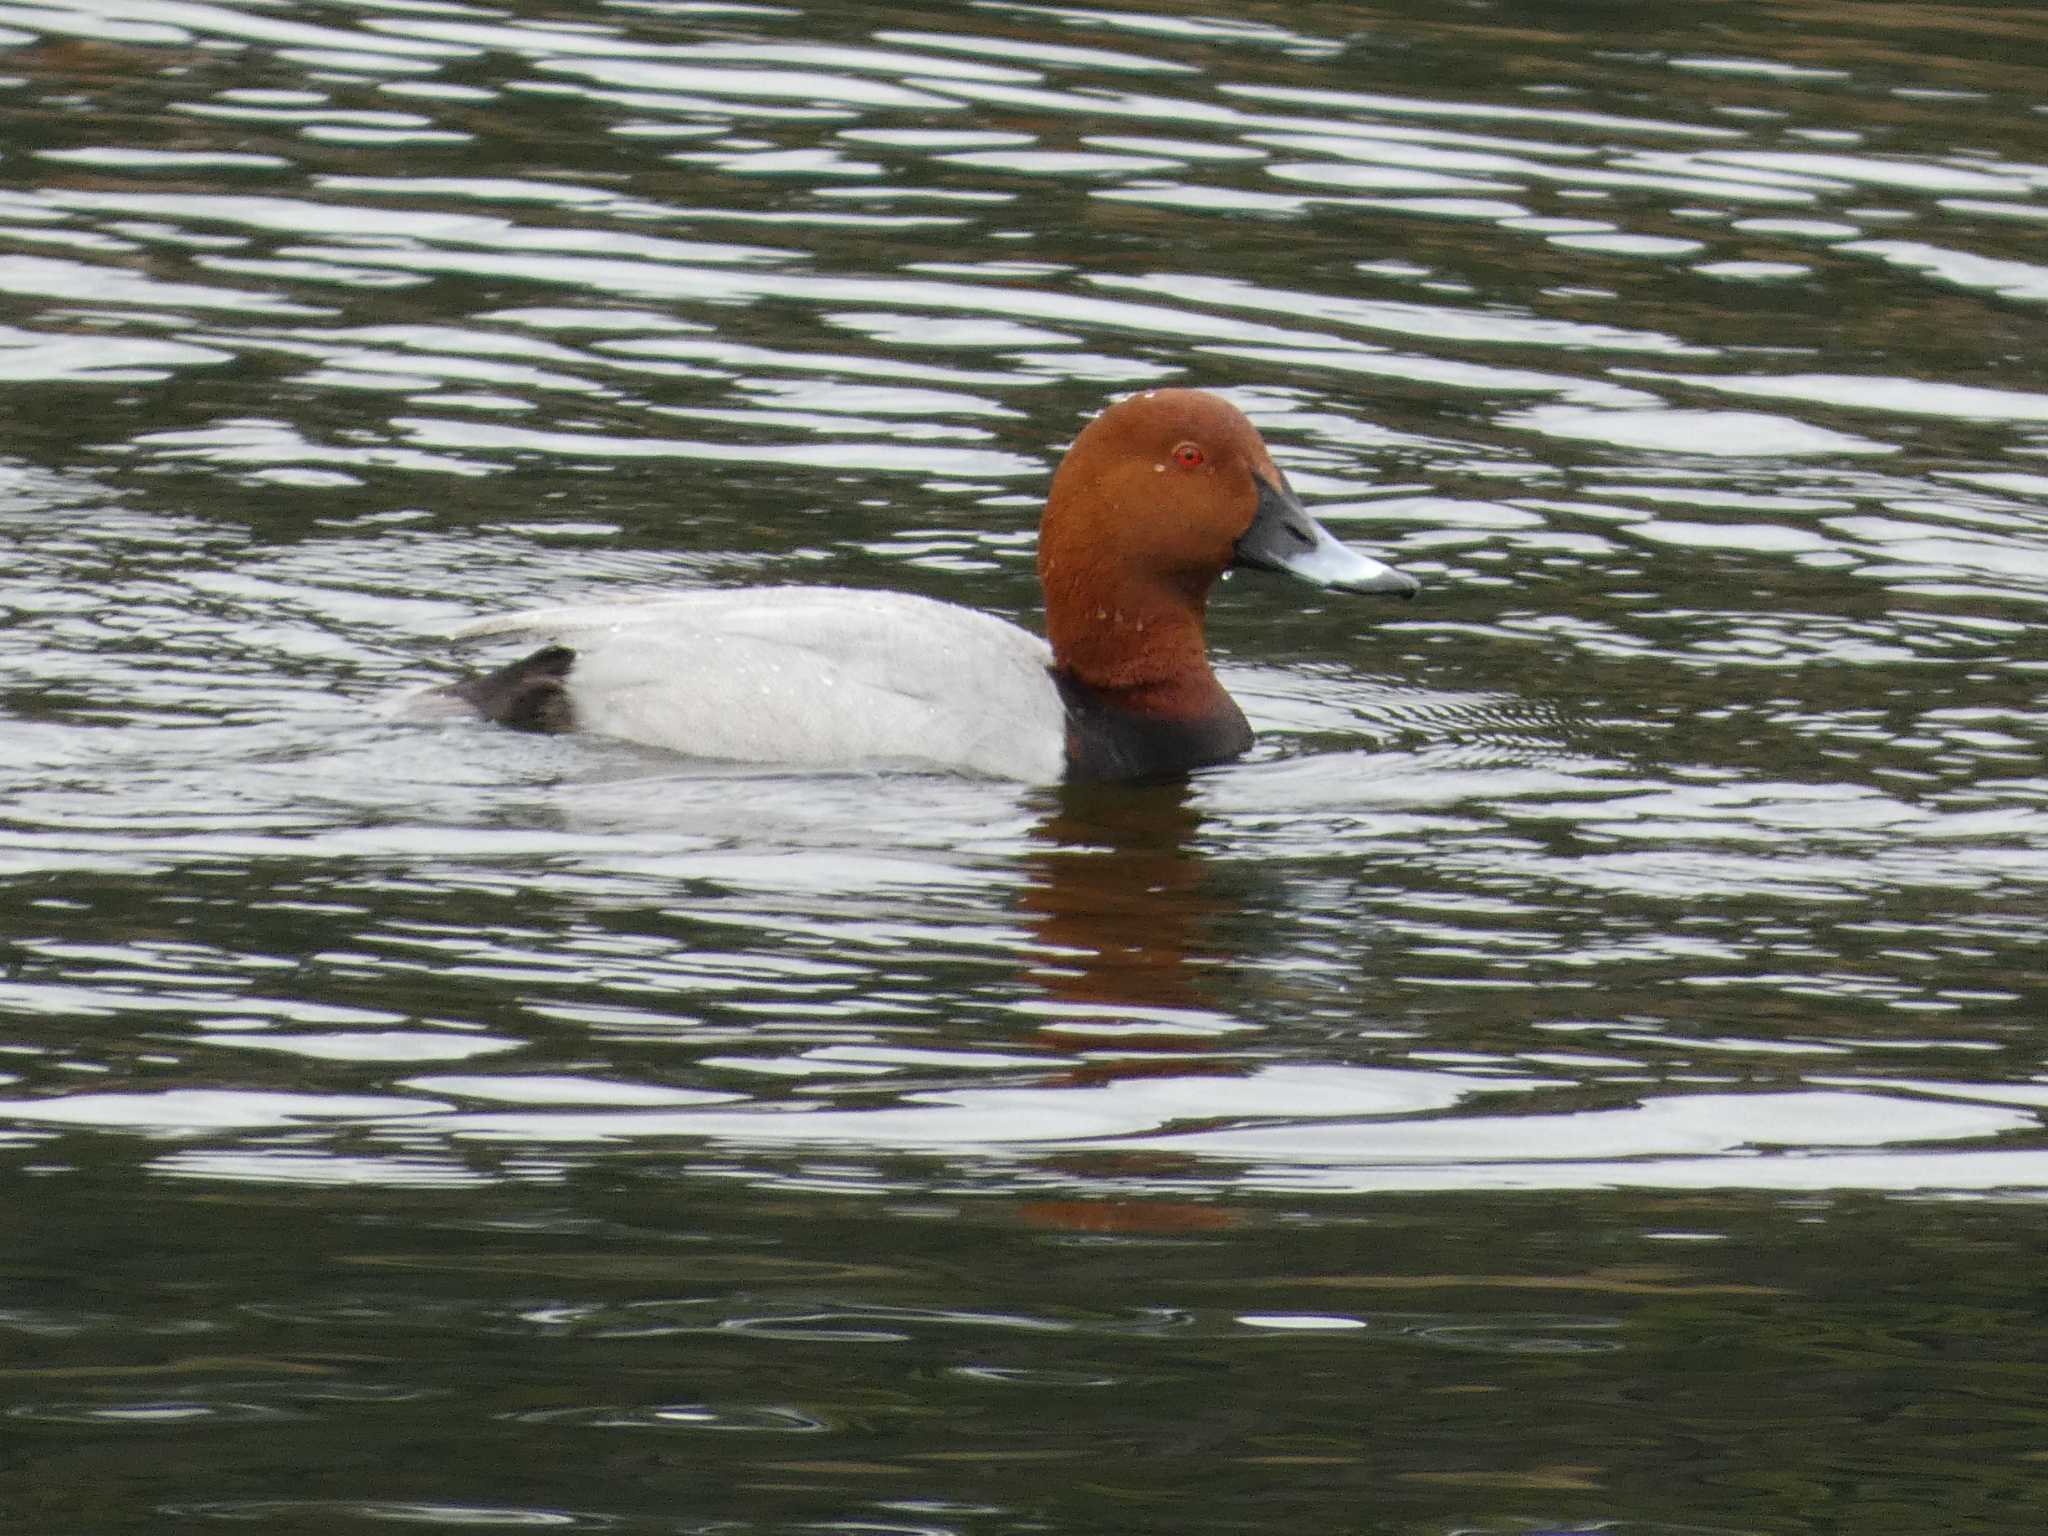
(809, 677)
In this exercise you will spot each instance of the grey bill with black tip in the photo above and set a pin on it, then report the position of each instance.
(1283, 537)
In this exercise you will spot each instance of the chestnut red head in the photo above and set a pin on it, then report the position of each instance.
(1157, 497)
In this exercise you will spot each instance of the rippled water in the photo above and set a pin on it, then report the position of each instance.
(1583, 1072)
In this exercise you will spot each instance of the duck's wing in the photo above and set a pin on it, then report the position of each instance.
(805, 676)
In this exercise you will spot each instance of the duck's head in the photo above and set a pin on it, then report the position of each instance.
(1158, 497)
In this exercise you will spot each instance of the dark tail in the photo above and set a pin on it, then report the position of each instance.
(529, 694)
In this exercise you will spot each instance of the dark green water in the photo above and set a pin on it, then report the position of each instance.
(1583, 1072)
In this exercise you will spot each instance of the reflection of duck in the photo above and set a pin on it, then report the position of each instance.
(1118, 897)
(1158, 496)
(1123, 902)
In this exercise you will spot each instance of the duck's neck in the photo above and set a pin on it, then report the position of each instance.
(1142, 701)
(1142, 641)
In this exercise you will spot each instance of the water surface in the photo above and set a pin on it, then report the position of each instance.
(1583, 1071)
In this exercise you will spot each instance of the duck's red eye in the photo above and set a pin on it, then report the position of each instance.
(1187, 455)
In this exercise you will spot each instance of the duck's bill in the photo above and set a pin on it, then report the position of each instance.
(1283, 537)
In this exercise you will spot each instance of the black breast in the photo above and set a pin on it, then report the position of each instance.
(1106, 740)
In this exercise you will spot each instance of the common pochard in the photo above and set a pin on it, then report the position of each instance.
(1157, 498)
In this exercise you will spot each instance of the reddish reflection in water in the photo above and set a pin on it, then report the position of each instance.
(1123, 895)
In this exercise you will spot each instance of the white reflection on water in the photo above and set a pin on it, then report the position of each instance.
(185, 1111)
(993, 1118)
(1759, 1140)
(1698, 1125)
(1895, 1173)
(1748, 434)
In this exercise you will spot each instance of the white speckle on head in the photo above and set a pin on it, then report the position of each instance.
(1158, 469)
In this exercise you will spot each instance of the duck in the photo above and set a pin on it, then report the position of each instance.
(1155, 499)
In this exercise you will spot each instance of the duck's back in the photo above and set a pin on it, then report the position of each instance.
(810, 677)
